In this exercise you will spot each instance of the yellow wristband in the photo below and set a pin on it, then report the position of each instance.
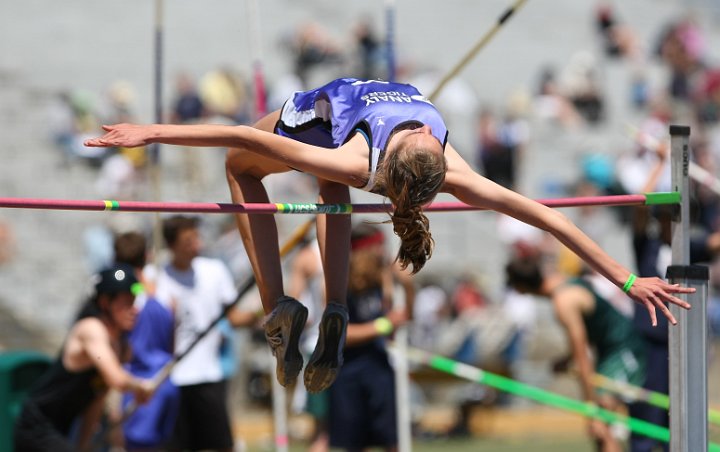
(383, 326)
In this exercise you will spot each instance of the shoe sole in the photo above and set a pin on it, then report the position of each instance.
(291, 363)
(323, 367)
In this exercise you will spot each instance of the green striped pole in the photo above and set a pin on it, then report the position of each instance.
(542, 396)
(636, 393)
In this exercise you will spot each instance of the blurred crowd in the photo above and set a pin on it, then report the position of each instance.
(455, 315)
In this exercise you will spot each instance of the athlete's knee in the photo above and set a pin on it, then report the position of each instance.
(235, 161)
(241, 164)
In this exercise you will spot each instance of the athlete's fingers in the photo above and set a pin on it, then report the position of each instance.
(651, 310)
(677, 288)
(675, 300)
(663, 307)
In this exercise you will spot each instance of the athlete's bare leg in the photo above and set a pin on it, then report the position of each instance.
(245, 171)
(286, 321)
(333, 233)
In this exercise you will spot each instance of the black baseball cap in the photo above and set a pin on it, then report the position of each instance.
(117, 279)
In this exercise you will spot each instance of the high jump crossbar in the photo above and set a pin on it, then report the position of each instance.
(314, 208)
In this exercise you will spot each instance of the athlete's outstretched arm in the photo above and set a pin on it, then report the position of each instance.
(349, 168)
(471, 188)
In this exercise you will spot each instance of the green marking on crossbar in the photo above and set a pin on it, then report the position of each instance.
(111, 204)
(314, 208)
(654, 199)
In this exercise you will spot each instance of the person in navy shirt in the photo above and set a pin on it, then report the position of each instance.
(362, 410)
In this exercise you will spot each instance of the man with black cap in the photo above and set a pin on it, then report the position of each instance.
(88, 364)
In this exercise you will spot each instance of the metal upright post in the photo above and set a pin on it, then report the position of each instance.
(688, 423)
(689, 412)
(679, 163)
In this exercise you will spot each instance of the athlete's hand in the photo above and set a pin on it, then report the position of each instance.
(122, 135)
(654, 293)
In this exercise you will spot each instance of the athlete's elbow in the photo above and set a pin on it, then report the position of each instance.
(242, 136)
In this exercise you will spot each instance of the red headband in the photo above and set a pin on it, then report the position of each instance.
(363, 242)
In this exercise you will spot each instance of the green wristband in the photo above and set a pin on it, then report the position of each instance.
(628, 284)
(383, 326)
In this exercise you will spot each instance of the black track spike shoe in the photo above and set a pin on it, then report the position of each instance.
(282, 332)
(327, 358)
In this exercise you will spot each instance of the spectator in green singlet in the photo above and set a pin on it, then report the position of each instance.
(591, 322)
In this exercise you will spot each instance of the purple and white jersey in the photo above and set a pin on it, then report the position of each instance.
(330, 115)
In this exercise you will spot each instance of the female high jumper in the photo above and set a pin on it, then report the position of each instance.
(381, 137)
